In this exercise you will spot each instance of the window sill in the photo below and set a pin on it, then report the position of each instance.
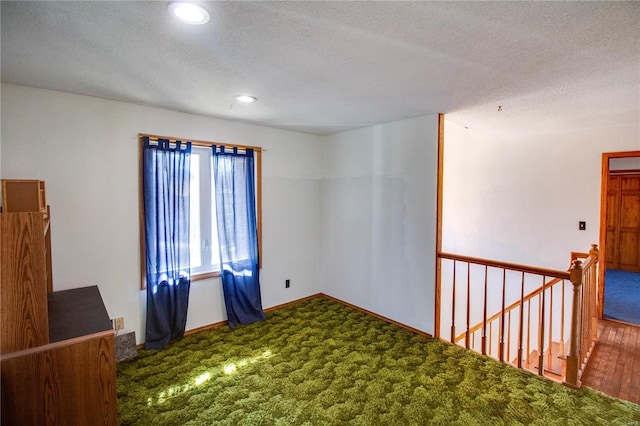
(204, 276)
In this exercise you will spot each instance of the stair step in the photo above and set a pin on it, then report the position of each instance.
(556, 367)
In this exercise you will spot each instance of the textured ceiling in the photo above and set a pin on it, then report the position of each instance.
(322, 67)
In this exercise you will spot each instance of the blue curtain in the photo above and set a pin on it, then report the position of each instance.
(237, 235)
(166, 212)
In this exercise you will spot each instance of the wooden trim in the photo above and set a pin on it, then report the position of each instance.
(578, 255)
(195, 330)
(197, 142)
(551, 273)
(484, 312)
(541, 330)
(453, 304)
(622, 154)
(590, 261)
(383, 318)
(439, 194)
(604, 188)
(501, 341)
(630, 324)
(293, 302)
(521, 322)
(205, 275)
(48, 253)
(259, 204)
(468, 311)
(604, 185)
(56, 345)
(143, 248)
(205, 327)
(624, 172)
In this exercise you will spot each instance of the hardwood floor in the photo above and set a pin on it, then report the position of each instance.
(615, 363)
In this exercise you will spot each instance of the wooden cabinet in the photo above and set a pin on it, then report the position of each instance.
(20, 196)
(57, 350)
(70, 380)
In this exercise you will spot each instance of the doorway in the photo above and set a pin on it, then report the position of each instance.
(623, 220)
(619, 289)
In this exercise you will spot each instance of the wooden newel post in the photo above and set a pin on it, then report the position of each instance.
(573, 362)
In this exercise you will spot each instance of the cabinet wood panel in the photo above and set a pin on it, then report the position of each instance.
(629, 211)
(612, 248)
(612, 209)
(629, 183)
(62, 383)
(629, 253)
(23, 286)
(23, 196)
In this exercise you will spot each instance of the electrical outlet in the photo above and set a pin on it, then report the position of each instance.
(118, 323)
(582, 225)
(287, 283)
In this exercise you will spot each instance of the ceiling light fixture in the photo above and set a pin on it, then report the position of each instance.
(246, 99)
(189, 13)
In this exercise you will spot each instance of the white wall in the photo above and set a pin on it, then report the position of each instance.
(87, 152)
(350, 214)
(521, 200)
(379, 210)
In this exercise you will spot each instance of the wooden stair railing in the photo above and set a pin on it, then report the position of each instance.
(584, 319)
(539, 334)
(506, 316)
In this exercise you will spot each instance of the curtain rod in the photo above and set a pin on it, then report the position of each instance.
(200, 142)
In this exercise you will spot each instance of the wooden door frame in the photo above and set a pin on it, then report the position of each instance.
(603, 220)
(439, 194)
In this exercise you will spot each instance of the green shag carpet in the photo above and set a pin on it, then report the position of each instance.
(321, 363)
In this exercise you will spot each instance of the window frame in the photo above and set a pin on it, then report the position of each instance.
(203, 144)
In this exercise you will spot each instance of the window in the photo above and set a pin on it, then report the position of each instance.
(203, 237)
(204, 252)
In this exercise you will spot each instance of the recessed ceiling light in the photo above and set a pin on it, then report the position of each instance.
(246, 98)
(189, 13)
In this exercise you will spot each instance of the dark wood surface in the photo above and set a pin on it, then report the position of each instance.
(76, 312)
(614, 367)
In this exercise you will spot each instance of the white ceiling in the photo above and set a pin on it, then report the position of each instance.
(323, 67)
